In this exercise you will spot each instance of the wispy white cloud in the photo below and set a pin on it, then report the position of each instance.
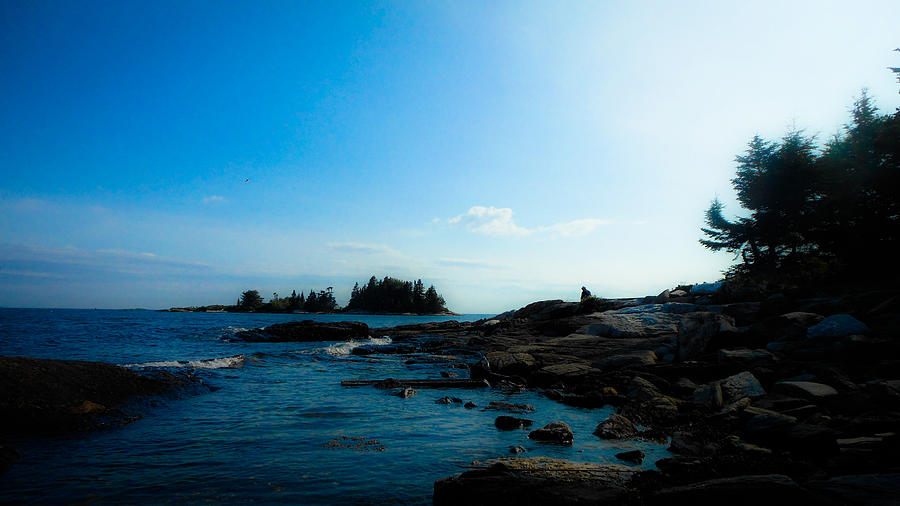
(499, 222)
(489, 221)
(40, 260)
(213, 199)
(27, 274)
(465, 263)
(362, 248)
(575, 228)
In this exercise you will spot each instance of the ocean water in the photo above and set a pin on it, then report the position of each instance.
(267, 431)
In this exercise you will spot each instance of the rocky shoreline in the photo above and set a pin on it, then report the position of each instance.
(760, 397)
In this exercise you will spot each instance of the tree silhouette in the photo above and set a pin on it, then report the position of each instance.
(250, 299)
(815, 215)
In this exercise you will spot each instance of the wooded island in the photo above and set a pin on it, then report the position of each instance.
(388, 295)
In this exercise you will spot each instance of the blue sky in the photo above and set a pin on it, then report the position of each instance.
(504, 151)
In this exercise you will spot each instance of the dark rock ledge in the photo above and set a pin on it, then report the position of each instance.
(58, 396)
(305, 331)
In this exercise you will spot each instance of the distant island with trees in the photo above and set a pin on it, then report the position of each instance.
(385, 296)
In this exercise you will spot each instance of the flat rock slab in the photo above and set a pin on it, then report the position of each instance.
(754, 489)
(839, 325)
(640, 358)
(744, 355)
(611, 324)
(509, 407)
(668, 307)
(539, 480)
(306, 331)
(805, 389)
(869, 489)
(568, 370)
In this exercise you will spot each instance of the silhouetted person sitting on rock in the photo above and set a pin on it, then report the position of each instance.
(585, 293)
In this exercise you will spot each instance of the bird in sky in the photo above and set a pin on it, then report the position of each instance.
(247, 180)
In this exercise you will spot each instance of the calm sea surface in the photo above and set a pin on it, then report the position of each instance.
(262, 435)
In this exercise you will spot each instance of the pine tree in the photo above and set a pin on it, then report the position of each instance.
(418, 296)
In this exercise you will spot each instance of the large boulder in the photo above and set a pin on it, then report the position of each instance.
(534, 308)
(709, 395)
(764, 422)
(510, 363)
(616, 427)
(697, 330)
(633, 456)
(839, 325)
(707, 288)
(741, 385)
(306, 331)
(658, 410)
(557, 311)
(642, 390)
(556, 433)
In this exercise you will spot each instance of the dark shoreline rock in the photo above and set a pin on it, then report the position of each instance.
(504, 422)
(43, 396)
(535, 481)
(555, 433)
(306, 331)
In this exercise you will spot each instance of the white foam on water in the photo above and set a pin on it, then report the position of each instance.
(231, 362)
(342, 349)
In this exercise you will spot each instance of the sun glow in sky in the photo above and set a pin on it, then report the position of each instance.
(157, 154)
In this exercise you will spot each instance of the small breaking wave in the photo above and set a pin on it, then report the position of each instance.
(232, 362)
(345, 348)
(229, 332)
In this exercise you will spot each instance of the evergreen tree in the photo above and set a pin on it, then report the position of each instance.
(434, 303)
(354, 297)
(250, 300)
(777, 183)
(418, 296)
(311, 302)
(814, 216)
